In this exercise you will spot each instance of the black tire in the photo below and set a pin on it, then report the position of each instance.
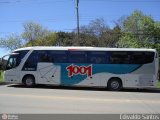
(114, 84)
(29, 81)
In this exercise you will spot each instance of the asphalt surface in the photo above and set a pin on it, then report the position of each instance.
(52, 99)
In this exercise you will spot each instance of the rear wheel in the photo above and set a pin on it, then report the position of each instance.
(29, 81)
(114, 84)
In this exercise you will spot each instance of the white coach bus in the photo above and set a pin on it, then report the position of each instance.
(114, 68)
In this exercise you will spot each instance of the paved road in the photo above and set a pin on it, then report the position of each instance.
(18, 99)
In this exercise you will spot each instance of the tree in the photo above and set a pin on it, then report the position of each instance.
(33, 31)
(95, 27)
(11, 42)
(87, 40)
(48, 40)
(65, 38)
(97, 33)
(110, 37)
(3, 64)
(140, 30)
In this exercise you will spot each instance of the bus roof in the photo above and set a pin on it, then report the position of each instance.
(77, 48)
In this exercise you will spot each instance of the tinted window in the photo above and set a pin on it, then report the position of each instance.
(149, 57)
(31, 62)
(43, 56)
(76, 57)
(142, 57)
(97, 57)
(58, 56)
(23, 53)
(120, 57)
(20, 55)
(137, 57)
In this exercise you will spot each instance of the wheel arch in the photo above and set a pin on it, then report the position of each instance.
(31, 75)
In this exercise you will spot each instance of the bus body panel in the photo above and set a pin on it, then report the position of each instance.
(144, 76)
(79, 74)
(11, 76)
(48, 73)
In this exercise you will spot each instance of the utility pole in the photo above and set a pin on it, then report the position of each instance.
(77, 5)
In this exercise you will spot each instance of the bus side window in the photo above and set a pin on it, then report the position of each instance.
(31, 62)
(149, 57)
(77, 57)
(120, 57)
(23, 53)
(58, 56)
(97, 57)
(44, 56)
(138, 57)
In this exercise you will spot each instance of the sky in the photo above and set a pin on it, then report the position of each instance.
(60, 15)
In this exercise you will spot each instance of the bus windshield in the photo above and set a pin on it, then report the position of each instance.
(15, 58)
(13, 61)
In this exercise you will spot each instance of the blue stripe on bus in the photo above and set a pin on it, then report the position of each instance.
(96, 68)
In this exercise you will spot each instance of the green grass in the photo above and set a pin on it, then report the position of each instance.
(158, 85)
(1, 76)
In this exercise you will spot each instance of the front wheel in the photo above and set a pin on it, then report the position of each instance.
(29, 81)
(114, 84)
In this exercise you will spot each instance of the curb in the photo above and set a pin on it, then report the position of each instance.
(3, 83)
(154, 89)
